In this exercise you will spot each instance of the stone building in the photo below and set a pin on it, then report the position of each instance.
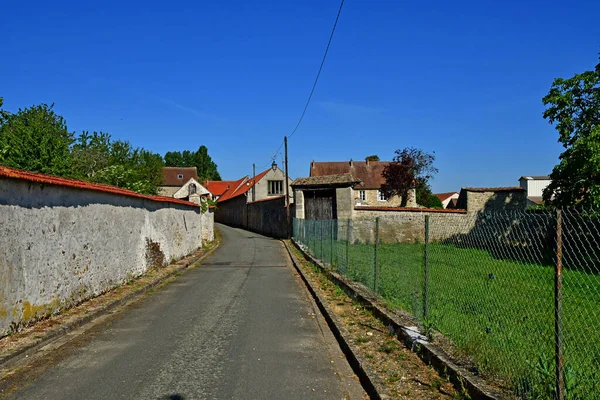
(534, 186)
(182, 183)
(369, 174)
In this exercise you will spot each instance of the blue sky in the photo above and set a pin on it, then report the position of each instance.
(463, 79)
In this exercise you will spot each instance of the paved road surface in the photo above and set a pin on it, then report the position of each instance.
(241, 326)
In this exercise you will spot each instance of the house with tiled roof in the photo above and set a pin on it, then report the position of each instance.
(369, 173)
(265, 185)
(449, 199)
(181, 183)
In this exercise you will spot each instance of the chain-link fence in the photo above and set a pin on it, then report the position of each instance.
(518, 293)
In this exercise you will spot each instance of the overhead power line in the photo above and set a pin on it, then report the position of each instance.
(320, 69)
(312, 91)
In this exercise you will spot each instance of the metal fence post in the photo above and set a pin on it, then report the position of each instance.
(331, 256)
(560, 373)
(426, 270)
(376, 269)
(348, 229)
(321, 239)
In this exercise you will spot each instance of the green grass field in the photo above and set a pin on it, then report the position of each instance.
(499, 311)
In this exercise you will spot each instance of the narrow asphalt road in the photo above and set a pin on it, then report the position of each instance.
(240, 326)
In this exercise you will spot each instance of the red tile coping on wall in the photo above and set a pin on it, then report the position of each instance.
(72, 183)
(409, 209)
(269, 199)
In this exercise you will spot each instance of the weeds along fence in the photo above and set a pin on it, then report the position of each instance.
(518, 293)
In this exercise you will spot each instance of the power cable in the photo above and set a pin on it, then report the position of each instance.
(320, 69)
(312, 91)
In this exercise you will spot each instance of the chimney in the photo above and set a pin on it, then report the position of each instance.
(367, 160)
(351, 163)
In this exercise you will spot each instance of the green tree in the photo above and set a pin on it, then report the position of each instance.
(374, 157)
(174, 159)
(36, 139)
(573, 106)
(99, 159)
(207, 169)
(410, 168)
(426, 198)
(91, 153)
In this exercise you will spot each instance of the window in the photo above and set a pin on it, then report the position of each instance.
(275, 187)
(192, 189)
(381, 196)
(362, 195)
(179, 176)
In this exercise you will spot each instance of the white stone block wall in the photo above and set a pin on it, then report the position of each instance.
(61, 245)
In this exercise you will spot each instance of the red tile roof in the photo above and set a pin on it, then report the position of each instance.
(368, 172)
(171, 175)
(11, 173)
(445, 196)
(241, 186)
(217, 188)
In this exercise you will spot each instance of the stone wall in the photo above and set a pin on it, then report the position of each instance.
(64, 242)
(208, 225)
(492, 201)
(267, 217)
(233, 212)
(408, 226)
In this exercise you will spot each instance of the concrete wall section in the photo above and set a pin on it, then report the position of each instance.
(299, 204)
(208, 225)
(61, 245)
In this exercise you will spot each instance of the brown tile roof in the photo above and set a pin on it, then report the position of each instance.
(445, 196)
(11, 173)
(368, 172)
(327, 180)
(496, 189)
(170, 175)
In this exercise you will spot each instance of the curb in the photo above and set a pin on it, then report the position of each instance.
(63, 330)
(462, 379)
(370, 383)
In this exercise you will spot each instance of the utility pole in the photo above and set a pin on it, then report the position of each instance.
(254, 182)
(287, 195)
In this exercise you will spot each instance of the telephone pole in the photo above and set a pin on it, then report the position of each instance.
(287, 195)
(253, 182)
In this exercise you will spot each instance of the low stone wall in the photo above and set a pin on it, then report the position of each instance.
(267, 217)
(407, 225)
(62, 241)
